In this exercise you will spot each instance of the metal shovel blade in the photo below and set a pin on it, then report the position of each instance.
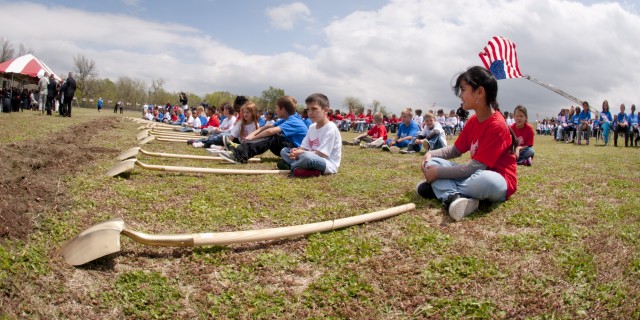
(121, 167)
(146, 140)
(142, 134)
(93, 243)
(131, 153)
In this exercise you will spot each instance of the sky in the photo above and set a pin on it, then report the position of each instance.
(402, 53)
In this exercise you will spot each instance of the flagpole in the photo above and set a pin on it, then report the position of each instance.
(558, 91)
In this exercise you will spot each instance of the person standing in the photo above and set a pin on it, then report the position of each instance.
(51, 94)
(68, 89)
(100, 102)
(43, 85)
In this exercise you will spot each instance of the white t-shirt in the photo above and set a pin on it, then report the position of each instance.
(426, 132)
(228, 123)
(452, 121)
(418, 119)
(248, 128)
(326, 140)
(441, 120)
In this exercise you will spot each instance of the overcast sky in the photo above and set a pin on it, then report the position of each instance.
(403, 53)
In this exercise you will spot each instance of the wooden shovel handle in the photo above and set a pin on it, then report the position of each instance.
(207, 170)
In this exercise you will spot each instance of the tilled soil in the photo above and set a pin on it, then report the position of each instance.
(32, 174)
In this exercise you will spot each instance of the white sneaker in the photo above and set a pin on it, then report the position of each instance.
(394, 149)
(462, 207)
(215, 152)
(198, 144)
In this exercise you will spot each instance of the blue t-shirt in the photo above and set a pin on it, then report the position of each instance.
(622, 117)
(160, 116)
(307, 121)
(181, 118)
(585, 116)
(293, 129)
(633, 119)
(410, 130)
(221, 118)
(261, 122)
(575, 119)
(203, 120)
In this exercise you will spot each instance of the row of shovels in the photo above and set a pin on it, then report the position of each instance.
(104, 238)
(165, 133)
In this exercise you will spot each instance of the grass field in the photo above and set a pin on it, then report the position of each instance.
(566, 246)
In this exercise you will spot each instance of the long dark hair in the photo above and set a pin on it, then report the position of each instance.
(477, 77)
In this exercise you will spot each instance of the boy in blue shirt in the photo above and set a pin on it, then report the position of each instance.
(633, 127)
(288, 131)
(406, 131)
(584, 126)
(621, 124)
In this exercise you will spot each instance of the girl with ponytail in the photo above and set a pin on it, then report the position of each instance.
(491, 173)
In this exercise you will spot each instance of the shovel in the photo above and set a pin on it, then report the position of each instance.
(170, 134)
(104, 238)
(129, 164)
(151, 138)
(133, 152)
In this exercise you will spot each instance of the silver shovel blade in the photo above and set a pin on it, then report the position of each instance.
(95, 242)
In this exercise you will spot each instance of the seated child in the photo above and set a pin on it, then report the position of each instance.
(320, 151)
(524, 134)
(491, 173)
(432, 136)
(288, 131)
(374, 138)
(214, 132)
(406, 131)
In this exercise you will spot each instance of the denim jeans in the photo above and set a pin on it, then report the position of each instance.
(482, 185)
(360, 127)
(250, 148)
(605, 131)
(525, 153)
(401, 144)
(214, 139)
(435, 143)
(307, 160)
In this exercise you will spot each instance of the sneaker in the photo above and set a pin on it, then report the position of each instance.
(198, 144)
(462, 207)
(385, 148)
(424, 190)
(283, 165)
(587, 142)
(579, 142)
(229, 145)
(365, 145)
(228, 156)
(306, 173)
(407, 151)
(191, 141)
(394, 149)
(425, 145)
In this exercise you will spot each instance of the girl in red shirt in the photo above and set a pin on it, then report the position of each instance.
(524, 135)
(491, 173)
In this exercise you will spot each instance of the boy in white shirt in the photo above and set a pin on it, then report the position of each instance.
(321, 149)
(432, 136)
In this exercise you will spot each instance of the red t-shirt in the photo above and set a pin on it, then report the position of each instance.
(378, 131)
(368, 118)
(339, 117)
(524, 135)
(350, 116)
(361, 117)
(213, 122)
(490, 143)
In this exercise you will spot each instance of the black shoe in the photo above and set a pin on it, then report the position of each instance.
(447, 203)
(424, 190)
(191, 141)
(283, 165)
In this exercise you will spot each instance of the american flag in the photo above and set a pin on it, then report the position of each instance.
(499, 56)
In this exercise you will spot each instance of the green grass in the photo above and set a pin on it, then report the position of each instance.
(565, 246)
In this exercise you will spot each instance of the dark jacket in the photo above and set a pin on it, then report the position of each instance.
(51, 88)
(69, 87)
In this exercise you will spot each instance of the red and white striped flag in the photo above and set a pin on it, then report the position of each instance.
(499, 56)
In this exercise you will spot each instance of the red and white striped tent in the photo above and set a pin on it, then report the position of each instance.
(27, 65)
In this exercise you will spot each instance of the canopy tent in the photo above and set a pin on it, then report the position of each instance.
(27, 65)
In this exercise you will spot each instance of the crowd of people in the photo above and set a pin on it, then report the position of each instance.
(50, 96)
(578, 125)
(309, 143)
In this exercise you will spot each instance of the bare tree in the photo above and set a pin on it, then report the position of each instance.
(86, 72)
(22, 50)
(130, 90)
(354, 104)
(6, 50)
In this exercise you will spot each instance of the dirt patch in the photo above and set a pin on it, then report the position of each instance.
(32, 174)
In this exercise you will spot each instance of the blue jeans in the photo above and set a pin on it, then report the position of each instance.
(525, 153)
(482, 185)
(307, 160)
(605, 131)
(435, 143)
(360, 127)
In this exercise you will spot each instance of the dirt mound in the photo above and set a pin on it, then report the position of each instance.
(32, 172)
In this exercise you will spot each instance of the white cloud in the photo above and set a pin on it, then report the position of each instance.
(403, 54)
(285, 16)
(131, 3)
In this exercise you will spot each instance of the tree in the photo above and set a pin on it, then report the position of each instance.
(86, 73)
(219, 97)
(6, 50)
(22, 50)
(353, 104)
(269, 98)
(375, 105)
(131, 91)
